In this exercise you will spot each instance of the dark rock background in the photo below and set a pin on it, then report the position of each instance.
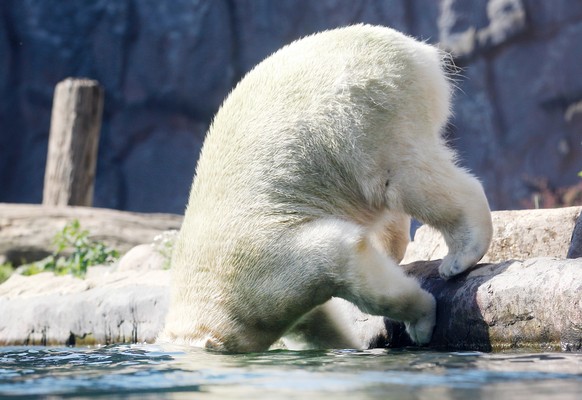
(167, 65)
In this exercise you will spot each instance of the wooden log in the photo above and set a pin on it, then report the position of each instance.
(27, 230)
(73, 143)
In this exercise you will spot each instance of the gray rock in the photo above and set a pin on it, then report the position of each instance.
(521, 235)
(106, 307)
(532, 304)
(143, 257)
(469, 26)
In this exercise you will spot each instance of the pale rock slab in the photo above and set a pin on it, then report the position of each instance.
(519, 234)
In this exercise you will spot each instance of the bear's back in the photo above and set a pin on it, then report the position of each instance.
(296, 135)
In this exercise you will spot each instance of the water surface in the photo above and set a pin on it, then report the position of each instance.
(150, 371)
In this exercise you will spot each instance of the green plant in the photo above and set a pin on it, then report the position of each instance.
(74, 253)
(164, 244)
(6, 270)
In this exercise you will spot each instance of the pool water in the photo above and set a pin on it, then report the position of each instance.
(155, 372)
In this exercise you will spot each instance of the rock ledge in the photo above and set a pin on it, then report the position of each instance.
(534, 304)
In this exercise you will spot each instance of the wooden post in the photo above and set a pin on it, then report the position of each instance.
(73, 142)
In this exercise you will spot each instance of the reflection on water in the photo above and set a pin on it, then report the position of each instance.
(148, 371)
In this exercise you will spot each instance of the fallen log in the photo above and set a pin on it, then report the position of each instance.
(27, 230)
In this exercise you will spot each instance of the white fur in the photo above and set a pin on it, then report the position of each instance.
(303, 190)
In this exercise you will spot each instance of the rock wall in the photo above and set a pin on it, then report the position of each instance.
(166, 67)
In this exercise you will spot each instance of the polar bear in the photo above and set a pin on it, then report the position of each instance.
(303, 191)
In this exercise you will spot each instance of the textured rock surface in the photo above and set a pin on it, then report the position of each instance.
(518, 235)
(165, 69)
(106, 307)
(534, 304)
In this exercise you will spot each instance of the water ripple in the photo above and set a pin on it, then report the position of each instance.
(139, 371)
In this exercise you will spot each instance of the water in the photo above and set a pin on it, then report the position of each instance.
(149, 371)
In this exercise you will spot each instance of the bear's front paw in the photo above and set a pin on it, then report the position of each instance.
(451, 267)
(466, 247)
(420, 331)
(455, 264)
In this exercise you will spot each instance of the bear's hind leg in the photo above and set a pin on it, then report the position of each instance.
(336, 324)
(365, 275)
(378, 286)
